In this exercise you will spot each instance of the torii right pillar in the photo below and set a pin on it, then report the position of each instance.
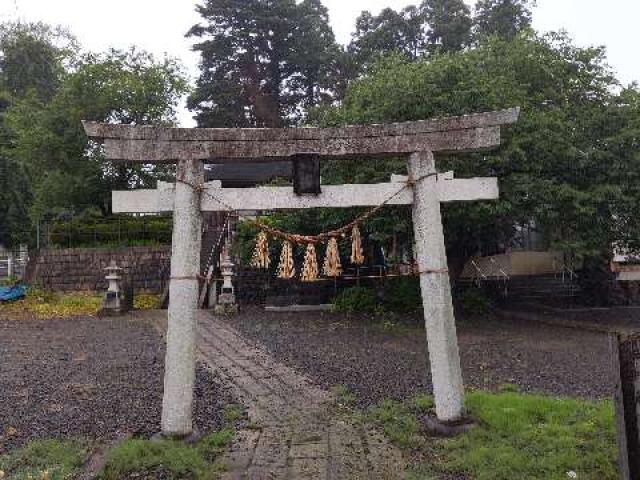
(446, 374)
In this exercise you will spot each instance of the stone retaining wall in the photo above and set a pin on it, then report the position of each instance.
(83, 268)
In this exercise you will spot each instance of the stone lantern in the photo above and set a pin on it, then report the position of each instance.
(113, 302)
(227, 298)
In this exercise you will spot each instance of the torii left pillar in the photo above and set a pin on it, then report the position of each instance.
(179, 376)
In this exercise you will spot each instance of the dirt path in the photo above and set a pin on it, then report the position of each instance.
(296, 431)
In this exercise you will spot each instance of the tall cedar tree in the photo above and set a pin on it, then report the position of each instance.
(263, 62)
(400, 32)
(449, 24)
(503, 18)
(433, 25)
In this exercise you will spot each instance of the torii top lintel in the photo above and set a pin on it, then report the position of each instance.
(126, 143)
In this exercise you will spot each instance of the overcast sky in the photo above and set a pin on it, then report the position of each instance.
(159, 25)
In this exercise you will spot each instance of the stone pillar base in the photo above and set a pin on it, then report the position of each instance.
(226, 304)
(192, 438)
(113, 305)
(437, 428)
(111, 312)
(225, 309)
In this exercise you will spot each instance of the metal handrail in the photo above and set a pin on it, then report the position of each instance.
(212, 261)
(479, 272)
(504, 274)
(568, 270)
(15, 265)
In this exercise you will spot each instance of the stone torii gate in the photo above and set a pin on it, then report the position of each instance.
(190, 149)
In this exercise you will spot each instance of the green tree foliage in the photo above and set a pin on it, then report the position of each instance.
(563, 164)
(433, 25)
(33, 57)
(46, 89)
(263, 61)
(67, 172)
(400, 32)
(504, 18)
(449, 24)
(14, 198)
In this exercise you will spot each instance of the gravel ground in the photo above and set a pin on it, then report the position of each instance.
(88, 377)
(614, 318)
(377, 362)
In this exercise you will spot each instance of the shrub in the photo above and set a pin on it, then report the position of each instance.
(402, 295)
(356, 299)
(117, 231)
(475, 302)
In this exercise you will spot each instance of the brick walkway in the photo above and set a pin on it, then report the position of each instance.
(296, 431)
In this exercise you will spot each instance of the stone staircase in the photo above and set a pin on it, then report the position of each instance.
(212, 226)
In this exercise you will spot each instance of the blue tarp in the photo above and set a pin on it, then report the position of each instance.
(9, 294)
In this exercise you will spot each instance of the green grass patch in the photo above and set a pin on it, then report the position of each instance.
(344, 396)
(8, 282)
(399, 420)
(44, 460)
(167, 459)
(423, 402)
(233, 413)
(519, 436)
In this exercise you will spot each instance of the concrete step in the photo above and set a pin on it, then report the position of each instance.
(543, 288)
(543, 295)
(529, 288)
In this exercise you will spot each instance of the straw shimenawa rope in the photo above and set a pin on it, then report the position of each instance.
(332, 265)
(261, 257)
(357, 257)
(287, 268)
(310, 272)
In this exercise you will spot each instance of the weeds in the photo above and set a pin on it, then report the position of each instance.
(44, 460)
(233, 413)
(45, 304)
(344, 396)
(167, 459)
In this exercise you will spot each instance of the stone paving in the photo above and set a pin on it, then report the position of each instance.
(296, 430)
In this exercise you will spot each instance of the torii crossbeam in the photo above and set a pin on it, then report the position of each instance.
(191, 148)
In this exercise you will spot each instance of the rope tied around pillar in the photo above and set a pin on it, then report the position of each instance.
(189, 277)
(432, 271)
